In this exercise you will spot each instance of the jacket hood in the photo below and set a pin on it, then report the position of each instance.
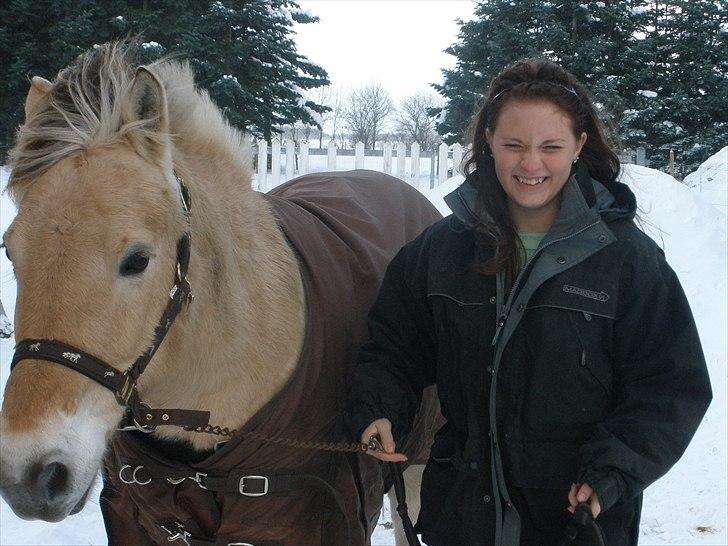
(612, 201)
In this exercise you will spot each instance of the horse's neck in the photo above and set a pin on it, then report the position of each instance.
(239, 341)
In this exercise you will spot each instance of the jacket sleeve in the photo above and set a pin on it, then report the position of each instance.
(662, 388)
(398, 360)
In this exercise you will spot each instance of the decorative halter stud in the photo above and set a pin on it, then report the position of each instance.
(124, 384)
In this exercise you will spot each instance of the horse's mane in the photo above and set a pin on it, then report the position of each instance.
(84, 109)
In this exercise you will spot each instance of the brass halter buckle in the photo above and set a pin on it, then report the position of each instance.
(127, 389)
(188, 286)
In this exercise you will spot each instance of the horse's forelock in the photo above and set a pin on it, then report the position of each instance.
(82, 109)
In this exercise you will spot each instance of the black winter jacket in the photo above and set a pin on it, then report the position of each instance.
(588, 370)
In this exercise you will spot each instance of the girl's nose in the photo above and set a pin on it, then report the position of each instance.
(531, 161)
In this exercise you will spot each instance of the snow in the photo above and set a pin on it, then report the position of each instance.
(711, 180)
(646, 93)
(315, 116)
(6, 329)
(300, 96)
(686, 507)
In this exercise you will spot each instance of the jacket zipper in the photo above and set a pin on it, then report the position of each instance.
(503, 314)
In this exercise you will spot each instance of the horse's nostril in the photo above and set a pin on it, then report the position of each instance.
(53, 479)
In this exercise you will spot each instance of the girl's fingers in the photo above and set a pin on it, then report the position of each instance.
(584, 493)
(385, 435)
(382, 430)
(388, 457)
(572, 498)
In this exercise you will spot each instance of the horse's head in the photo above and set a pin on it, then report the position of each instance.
(94, 247)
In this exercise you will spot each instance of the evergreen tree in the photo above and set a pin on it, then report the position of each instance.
(683, 83)
(37, 37)
(656, 69)
(501, 32)
(589, 38)
(242, 52)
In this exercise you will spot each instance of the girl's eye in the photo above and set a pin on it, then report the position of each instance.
(513, 146)
(134, 264)
(553, 148)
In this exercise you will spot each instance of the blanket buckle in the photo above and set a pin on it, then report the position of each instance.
(198, 477)
(245, 482)
(177, 534)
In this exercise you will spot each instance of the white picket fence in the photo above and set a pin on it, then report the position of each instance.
(289, 161)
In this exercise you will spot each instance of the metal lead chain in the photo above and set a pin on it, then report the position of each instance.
(346, 447)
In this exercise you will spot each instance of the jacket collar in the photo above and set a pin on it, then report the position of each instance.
(583, 200)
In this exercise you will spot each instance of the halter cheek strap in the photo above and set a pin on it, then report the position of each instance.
(124, 384)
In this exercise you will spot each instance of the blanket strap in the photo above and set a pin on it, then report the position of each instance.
(249, 485)
(176, 531)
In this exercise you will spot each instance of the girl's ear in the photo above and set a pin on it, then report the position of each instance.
(489, 137)
(580, 144)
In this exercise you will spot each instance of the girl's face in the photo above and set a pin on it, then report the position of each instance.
(533, 146)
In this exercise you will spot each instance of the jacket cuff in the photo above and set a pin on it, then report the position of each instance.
(609, 486)
(358, 418)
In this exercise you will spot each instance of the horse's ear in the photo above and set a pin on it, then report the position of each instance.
(145, 109)
(39, 88)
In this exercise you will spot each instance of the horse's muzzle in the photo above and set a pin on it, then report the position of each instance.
(45, 492)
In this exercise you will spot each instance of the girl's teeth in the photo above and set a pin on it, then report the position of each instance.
(530, 181)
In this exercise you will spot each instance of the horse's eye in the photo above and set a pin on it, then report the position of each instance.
(134, 264)
(7, 252)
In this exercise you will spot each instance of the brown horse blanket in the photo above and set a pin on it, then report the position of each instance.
(345, 228)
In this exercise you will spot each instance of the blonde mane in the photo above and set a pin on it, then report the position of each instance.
(83, 109)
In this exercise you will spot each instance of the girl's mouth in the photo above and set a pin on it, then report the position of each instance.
(531, 181)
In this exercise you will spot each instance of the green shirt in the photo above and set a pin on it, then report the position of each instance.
(530, 243)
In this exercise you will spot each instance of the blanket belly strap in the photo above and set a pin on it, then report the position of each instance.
(249, 485)
(178, 533)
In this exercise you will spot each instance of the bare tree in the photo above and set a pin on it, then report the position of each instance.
(333, 97)
(357, 118)
(414, 124)
(297, 131)
(367, 112)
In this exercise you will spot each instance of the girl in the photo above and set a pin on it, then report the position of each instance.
(566, 358)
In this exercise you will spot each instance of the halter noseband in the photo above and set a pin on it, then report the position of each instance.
(124, 384)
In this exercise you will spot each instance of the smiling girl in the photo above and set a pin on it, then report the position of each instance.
(566, 358)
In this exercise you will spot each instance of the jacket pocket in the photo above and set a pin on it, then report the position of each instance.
(541, 474)
(565, 370)
(461, 328)
(453, 510)
(591, 359)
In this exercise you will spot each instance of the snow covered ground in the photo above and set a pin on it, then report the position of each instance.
(711, 179)
(689, 506)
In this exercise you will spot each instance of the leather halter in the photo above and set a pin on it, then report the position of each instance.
(124, 384)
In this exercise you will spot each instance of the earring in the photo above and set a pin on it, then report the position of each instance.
(575, 160)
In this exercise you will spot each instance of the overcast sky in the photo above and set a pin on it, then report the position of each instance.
(398, 43)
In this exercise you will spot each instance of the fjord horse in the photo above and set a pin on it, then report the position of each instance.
(134, 196)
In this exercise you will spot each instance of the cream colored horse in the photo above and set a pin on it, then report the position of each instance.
(93, 246)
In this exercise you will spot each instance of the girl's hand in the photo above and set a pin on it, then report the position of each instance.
(382, 430)
(581, 492)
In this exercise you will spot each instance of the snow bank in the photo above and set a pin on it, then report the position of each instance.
(711, 180)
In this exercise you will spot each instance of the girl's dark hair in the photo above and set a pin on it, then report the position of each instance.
(530, 79)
